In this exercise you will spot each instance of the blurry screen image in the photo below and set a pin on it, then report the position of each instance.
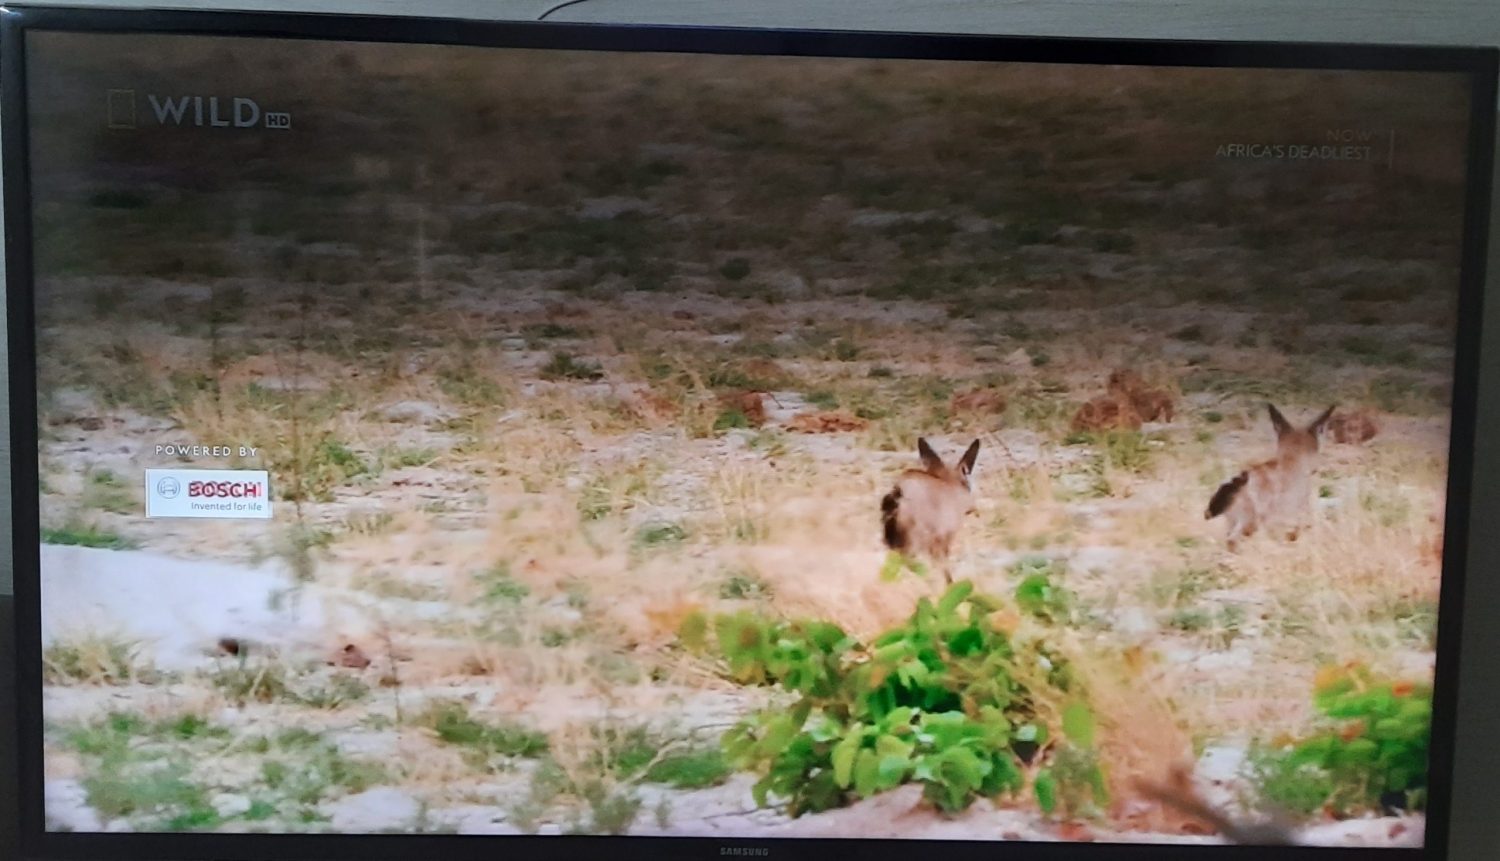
(495, 441)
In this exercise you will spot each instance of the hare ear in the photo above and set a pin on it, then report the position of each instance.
(929, 457)
(1316, 428)
(1279, 422)
(966, 463)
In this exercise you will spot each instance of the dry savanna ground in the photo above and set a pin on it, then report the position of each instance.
(611, 350)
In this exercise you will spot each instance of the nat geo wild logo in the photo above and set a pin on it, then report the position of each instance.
(127, 110)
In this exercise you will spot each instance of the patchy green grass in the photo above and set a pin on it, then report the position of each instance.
(695, 769)
(452, 723)
(141, 770)
(106, 491)
(80, 534)
(500, 585)
(550, 330)
(95, 659)
(564, 366)
(245, 681)
(660, 535)
(465, 382)
(746, 584)
(1182, 588)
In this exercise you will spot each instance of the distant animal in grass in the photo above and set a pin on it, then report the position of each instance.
(924, 511)
(1276, 494)
(1126, 404)
(1153, 405)
(1353, 428)
(1106, 413)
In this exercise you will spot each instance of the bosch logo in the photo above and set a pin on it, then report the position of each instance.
(225, 489)
(223, 493)
(168, 488)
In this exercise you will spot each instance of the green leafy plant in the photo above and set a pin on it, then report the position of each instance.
(1038, 594)
(896, 563)
(1372, 753)
(947, 700)
(1074, 781)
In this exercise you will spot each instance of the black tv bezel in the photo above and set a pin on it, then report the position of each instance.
(1479, 64)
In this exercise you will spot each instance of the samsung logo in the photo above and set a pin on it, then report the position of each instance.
(754, 851)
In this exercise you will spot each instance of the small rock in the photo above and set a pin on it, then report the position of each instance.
(789, 285)
(1075, 832)
(414, 412)
(306, 383)
(368, 744)
(372, 810)
(880, 218)
(228, 805)
(557, 613)
(353, 657)
(605, 208)
(66, 803)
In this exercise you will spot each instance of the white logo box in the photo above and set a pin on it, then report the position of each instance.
(219, 493)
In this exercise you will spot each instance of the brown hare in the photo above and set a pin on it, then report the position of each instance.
(1277, 493)
(925, 509)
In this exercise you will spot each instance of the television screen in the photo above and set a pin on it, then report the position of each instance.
(539, 431)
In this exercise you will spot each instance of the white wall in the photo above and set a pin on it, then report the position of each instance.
(1476, 833)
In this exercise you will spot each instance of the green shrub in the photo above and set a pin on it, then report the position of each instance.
(946, 700)
(1371, 755)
